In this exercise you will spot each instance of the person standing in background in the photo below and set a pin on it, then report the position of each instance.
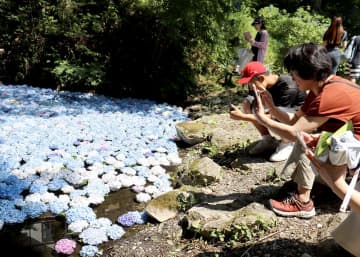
(335, 38)
(260, 43)
(352, 66)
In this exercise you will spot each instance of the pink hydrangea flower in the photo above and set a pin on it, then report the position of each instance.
(65, 246)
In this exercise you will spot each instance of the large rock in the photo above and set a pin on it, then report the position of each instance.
(222, 132)
(165, 206)
(202, 172)
(168, 205)
(220, 219)
(191, 132)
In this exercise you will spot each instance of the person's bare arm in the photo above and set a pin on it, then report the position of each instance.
(285, 131)
(334, 176)
(277, 112)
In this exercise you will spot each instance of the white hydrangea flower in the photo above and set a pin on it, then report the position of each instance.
(125, 180)
(78, 226)
(120, 157)
(36, 197)
(115, 185)
(19, 173)
(79, 201)
(151, 189)
(48, 197)
(161, 150)
(118, 165)
(139, 181)
(108, 177)
(96, 199)
(163, 161)
(174, 159)
(64, 198)
(152, 178)
(110, 160)
(157, 170)
(153, 161)
(67, 189)
(143, 197)
(143, 162)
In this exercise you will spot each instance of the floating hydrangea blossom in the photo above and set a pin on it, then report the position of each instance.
(89, 251)
(93, 236)
(131, 218)
(65, 246)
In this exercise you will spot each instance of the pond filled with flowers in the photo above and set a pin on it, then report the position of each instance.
(62, 154)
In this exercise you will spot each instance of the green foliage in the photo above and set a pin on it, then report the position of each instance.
(246, 232)
(186, 201)
(290, 29)
(157, 49)
(88, 75)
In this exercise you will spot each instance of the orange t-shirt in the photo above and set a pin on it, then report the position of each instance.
(338, 101)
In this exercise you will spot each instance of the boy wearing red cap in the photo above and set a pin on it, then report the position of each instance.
(284, 94)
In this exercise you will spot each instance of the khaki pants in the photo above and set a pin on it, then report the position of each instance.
(298, 168)
(347, 233)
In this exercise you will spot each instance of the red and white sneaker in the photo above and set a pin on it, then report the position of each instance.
(293, 207)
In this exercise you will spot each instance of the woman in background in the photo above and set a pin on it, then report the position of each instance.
(334, 38)
(260, 43)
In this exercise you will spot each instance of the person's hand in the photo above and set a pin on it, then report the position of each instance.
(258, 106)
(310, 139)
(266, 97)
(331, 174)
(247, 36)
(236, 113)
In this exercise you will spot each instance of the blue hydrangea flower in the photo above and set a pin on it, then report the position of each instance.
(57, 206)
(115, 232)
(89, 251)
(34, 209)
(80, 213)
(57, 184)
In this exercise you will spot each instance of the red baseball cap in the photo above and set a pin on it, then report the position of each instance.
(251, 69)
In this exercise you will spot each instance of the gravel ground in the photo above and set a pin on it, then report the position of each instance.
(292, 236)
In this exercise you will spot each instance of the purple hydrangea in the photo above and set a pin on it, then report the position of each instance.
(131, 218)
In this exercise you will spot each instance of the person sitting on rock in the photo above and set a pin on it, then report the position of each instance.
(285, 95)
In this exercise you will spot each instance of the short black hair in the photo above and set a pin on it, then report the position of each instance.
(310, 60)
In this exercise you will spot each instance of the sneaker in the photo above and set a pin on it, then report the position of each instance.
(282, 152)
(293, 207)
(268, 143)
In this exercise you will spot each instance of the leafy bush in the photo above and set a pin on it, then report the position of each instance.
(290, 29)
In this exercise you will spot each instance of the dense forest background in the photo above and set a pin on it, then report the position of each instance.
(158, 49)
